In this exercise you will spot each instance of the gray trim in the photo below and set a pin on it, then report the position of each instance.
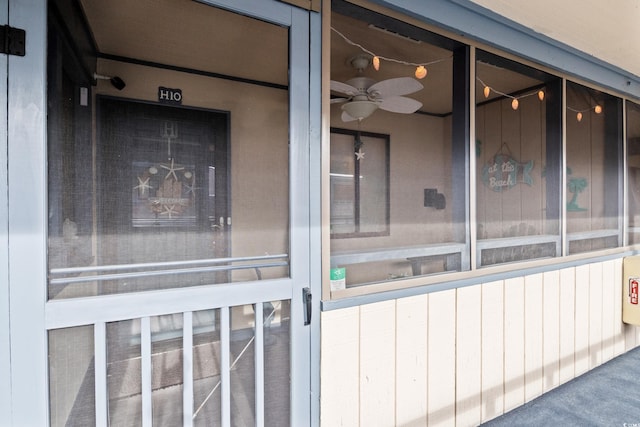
(5, 350)
(315, 205)
(471, 20)
(27, 216)
(299, 181)
(471, 281)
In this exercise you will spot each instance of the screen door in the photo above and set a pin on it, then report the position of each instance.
(178, 221)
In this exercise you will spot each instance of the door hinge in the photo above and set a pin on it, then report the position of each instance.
(12, 40)
(306, 305)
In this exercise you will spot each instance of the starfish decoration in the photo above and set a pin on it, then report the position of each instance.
(359, 154)
(169, 210)
(190, 188)
(172, 170)
(143, 186)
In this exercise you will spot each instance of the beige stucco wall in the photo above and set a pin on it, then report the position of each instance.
(604, 30)
(467, 355)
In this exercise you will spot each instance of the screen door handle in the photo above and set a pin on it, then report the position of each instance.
(306, 304)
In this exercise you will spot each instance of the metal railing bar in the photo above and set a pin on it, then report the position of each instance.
(225, 367)
(146, 372)
(100, 367)
(259, 363)
(116, 267)
(242, 352)
(116, 276)
(187, 369)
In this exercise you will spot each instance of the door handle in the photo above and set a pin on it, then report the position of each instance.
(306, 305)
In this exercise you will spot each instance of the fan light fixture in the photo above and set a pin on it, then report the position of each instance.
(360, 109)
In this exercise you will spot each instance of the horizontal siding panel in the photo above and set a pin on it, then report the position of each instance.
(411, 361)
(377, 362)
(608, 311)
(441, 392)
(468, 356)
(551, 330)
(582, 320)
(567, 324)
(339, 380)
(513, 343)
(595, 315)
(492, 371)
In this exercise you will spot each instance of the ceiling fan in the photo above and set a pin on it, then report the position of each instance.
(365, 95)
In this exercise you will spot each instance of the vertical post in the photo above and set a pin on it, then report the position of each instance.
(187, 369)
(554, 156)
(100, 360)
(259, 363)
(460, 138)
(225, 375)
(146, 368)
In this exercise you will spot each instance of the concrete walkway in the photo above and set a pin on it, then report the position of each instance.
(608, 395)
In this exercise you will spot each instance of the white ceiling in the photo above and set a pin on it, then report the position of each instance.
(608, 30)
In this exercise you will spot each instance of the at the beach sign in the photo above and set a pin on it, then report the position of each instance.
(503, 172)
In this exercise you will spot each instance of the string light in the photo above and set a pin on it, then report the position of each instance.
(515, 103)
(376, 63)
(579, 113)
(421, 67)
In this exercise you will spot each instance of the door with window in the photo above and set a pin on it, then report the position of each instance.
(178, 213)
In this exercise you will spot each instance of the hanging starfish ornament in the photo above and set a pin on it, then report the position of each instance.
(359, 154)
(172, 170)
(143, 186)
(169, 210)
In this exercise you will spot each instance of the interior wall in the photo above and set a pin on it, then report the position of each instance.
(259, 149)
(420, 157)
(467, 355)
(521, 135)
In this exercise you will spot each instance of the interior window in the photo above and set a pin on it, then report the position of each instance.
(398, 150)
(594, 178)
(518, 152)
(359, 189)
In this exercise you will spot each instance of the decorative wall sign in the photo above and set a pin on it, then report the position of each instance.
(576, 186)
(163, 194)
(503, 172)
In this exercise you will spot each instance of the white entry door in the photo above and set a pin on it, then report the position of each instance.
(177, 214)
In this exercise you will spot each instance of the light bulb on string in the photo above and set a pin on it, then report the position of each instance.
(421, 72)
(515, 103)
(376, 63)
(597, 109)
(487, 91)
(579, 116)
(541, 95)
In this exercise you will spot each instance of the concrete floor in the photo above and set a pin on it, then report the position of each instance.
(608, 395)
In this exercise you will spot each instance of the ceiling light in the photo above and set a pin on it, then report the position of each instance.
(360, 109)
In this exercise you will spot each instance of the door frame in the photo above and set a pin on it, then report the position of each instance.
(23, 282)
